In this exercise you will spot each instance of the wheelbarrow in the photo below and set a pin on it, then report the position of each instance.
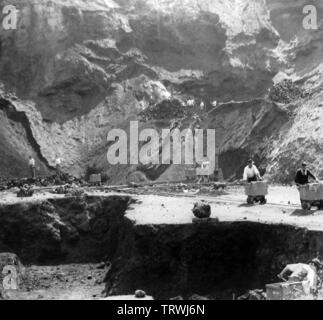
(311, 196)
(256, 192)
(95, 179)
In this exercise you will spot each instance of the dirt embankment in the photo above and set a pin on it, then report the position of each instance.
(69, 230)
(210, 260)
(216, 260)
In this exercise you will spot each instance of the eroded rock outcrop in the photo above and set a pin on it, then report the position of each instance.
(72, 229)
(79, 68)
(209, 259)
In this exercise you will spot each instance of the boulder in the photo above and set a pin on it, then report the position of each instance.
(202, 210)
(140, 294)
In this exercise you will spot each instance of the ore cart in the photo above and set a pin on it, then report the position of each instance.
(190, 174)
(256, 192)
(311, 196)
(95, 180)
(285, 291)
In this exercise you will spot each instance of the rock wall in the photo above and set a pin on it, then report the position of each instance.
(216, 260)
(79, 68)
(71, 230)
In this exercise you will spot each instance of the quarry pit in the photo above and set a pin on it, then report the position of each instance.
(113, 243)
(73, 71)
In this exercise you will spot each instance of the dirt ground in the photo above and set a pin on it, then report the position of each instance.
(162, 205)
(156, 206)
(62, 282)
(283, 207)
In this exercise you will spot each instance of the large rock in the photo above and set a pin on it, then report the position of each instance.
(202, 210)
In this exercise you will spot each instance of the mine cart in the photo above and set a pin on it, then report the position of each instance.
(311, 195)
(285, 291)
(95, 179)
(190, 174)
(256, 192)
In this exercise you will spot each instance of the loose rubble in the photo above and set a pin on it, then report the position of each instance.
(54, 180)
(257, 294)
(25, 192)
(140, 294)
(286, 92)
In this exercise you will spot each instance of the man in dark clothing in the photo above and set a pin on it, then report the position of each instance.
(303, 175)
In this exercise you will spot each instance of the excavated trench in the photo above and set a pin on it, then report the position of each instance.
(216, 260)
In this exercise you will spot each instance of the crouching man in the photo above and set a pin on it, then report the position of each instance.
(309, 274)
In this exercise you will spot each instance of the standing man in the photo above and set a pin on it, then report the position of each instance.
(202, 106)
(303, 175)
(58, 163)
(251, 173)
(32, 166)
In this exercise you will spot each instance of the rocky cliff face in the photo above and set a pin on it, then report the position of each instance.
(73, 70)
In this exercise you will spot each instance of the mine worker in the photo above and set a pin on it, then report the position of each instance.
(58, 163)
(190, 102)
(32, 166)
(309, 274)
(251, 173)
(303, 175)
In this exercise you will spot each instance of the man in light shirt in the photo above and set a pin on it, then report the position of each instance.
(32, 166)
(251, 173)
(58, 163)
(190, 102)
(308, 274)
